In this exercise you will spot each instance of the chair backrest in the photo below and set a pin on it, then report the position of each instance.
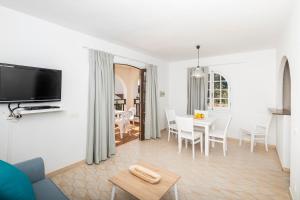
(171, 116)
(125, 116)
(268, 125)
(264, 128)
(204, 112)
(132, 111)
(227, 125)
(185, 124)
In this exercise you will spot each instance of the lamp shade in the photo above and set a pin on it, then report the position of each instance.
(198, 72)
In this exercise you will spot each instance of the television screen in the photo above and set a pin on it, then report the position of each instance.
(29, 84)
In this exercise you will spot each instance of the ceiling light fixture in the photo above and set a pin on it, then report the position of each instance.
(198, 71)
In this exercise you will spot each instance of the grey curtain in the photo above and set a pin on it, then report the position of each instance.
(197, 89)
(151, 105)
(100, 132)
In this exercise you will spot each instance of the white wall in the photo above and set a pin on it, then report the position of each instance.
(251, 77)
(59, 138)
(289, 46)
(130, 76)
(119, 87)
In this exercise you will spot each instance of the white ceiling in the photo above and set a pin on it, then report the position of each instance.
(169, 29)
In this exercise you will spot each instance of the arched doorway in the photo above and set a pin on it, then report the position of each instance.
(286, 88)
(128, 124)
(283, 117)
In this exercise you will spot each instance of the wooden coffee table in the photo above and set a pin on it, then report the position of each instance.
(142, 189)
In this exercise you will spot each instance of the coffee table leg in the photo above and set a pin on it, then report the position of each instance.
(175, 191)
(113, 191)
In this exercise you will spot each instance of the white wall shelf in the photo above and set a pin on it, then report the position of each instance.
(28, 112)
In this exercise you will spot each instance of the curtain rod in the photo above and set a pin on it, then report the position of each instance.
(132, 59)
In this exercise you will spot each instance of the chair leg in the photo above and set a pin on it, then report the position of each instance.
(193, 146)
(266, 144)
(226, 144)
(201, 143)
(252, 142)
(169, 133)
(121, 127)
(179, 144)
(224, 148)
(241, 139)
(113, 192)
(186, 143)
(213, 144)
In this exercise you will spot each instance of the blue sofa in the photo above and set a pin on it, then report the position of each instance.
(43, 187)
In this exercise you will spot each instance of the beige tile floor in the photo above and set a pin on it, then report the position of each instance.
(240, 175)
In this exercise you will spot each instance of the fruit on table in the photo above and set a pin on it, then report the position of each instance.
(199, 116)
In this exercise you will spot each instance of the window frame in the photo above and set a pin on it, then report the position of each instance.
(211, 90)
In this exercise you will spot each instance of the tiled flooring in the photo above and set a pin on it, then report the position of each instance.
(240, 175)
(132, 134)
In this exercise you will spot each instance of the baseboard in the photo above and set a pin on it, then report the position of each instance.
(64, 169)
(287, 170)
(162, 130)
(270, 146)
(284, 169)
(291, 193)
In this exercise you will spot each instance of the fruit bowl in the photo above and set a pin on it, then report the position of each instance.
(199, 116)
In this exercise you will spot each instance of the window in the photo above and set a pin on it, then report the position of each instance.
(218, 91)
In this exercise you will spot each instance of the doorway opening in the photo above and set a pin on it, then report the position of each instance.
(283, 117)
(129, 103)
(286, 88)
(286, 106)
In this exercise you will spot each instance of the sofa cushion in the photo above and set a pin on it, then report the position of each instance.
(33, 168)
(14, 184)
(47, 190)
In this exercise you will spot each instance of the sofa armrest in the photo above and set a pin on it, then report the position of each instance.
(33, 168)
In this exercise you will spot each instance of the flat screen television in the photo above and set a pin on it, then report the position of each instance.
(22, 84)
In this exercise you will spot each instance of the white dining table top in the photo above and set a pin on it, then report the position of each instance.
(206, 121)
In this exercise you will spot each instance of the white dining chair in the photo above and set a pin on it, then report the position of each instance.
(219, 134)
(259, 133)
(171, 120)
(123, 122)
(132, 117)
(186, 131)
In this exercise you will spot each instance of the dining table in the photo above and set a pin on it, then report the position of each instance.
(205, 123)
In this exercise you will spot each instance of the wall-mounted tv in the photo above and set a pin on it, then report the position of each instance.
(22, 84)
